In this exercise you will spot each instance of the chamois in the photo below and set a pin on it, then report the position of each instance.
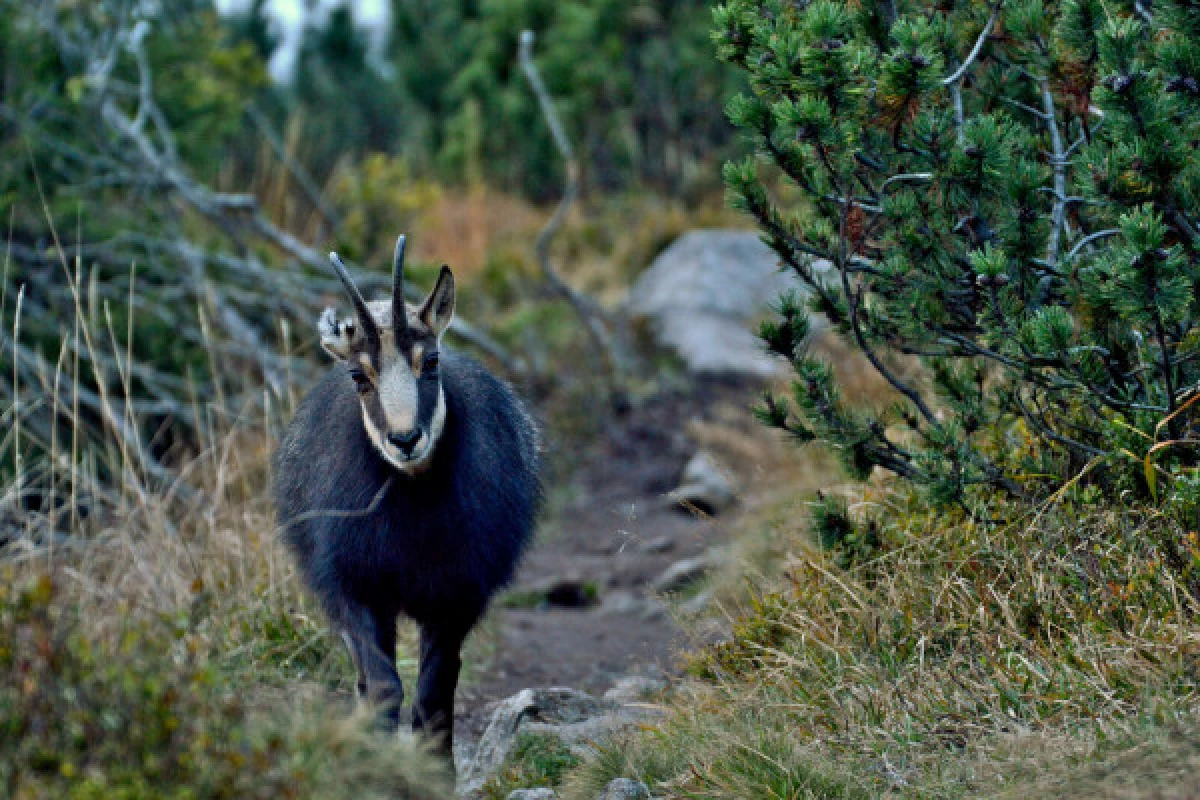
(406, 483)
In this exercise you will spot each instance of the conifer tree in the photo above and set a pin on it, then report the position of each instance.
(1007, 192)
(350, 106)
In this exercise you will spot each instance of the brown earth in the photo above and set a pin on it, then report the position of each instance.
(617, 530)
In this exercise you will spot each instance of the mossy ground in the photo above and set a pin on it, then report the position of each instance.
(536, 760)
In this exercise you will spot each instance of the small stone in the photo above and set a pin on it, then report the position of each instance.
(533, 794)
(653, 610)
(625, 789)
(705, 486)
(682, 573)
(696, 605)
(659, 544)
(622, 602)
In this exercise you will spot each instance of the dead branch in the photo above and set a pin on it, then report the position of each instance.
(294, 168)
(594, 319)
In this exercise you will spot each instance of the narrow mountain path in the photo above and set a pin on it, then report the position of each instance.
(611, 532)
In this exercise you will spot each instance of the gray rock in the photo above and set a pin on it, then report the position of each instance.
(575, 718)
(653, 609)
(634, 688)
(704, 292)
(698, 604)
(682, 573)
(705, 485)
(624, 789)
(554, 707)
(464, 754)
(622, 602)
(533, 794)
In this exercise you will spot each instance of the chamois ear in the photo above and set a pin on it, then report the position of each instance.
(339, 338)
(438, 309)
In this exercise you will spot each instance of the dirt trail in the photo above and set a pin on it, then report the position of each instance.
(617, 532)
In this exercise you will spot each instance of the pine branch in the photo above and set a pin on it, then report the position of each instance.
(853, 303)
(956, 76)
(1089, 239)
(1060, 172)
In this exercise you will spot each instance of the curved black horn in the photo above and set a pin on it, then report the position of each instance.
(399, 309)
(360, 305)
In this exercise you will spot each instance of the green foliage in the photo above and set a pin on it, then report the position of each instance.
(378, 196)
(347, 106)
(139, 713)
(635, 84)
(851, 540)
(536, 760)
(1029, 231)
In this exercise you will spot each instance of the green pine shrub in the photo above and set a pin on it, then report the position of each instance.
(1005, 193)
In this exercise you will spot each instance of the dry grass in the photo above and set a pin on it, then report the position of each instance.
(165, 605)
(1138, 761)
(464, 227)
(779, 479)
(1055, 654)
(603, 245)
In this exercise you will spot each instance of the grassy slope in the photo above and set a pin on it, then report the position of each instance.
(1052, 654)
(1047, 655)
(957, 660)
(175, 655)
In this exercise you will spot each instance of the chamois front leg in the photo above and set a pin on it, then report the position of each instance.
(433, 711)
(371, 638)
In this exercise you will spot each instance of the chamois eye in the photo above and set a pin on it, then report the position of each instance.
(361, 381)
(430, 362)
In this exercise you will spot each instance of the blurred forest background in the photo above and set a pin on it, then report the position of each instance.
(199, 195)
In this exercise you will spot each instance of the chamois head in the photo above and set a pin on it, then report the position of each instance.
(390, 350)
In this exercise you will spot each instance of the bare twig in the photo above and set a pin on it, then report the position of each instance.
(913, 177)
(589, 313)
(1187, 225)
(958, 74)
(1085, 241)
(17, 465)
(954, 81)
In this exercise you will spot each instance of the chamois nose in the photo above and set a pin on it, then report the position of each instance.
(404, 442)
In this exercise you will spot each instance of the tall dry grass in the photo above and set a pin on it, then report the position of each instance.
(161, 601)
